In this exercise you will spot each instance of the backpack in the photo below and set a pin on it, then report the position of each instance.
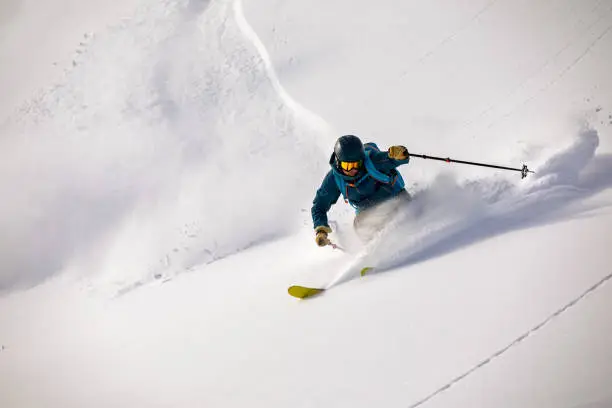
(395, 179)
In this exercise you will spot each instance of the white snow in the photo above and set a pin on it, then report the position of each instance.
(156, 190)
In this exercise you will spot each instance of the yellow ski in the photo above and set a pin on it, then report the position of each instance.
(303, 292)
(365, 270)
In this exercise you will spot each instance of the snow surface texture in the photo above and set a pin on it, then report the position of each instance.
(172, 141)
(190, 136)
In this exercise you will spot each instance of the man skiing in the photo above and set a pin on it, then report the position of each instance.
(366, 177)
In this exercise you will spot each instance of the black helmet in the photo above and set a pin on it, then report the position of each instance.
(349, 148)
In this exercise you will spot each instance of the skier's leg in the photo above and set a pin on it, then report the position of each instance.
(369, 222)
(364, 227)
(403, 197)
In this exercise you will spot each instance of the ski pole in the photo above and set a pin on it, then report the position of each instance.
(334, 246)
(524, 170)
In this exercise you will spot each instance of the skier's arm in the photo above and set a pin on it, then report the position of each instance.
(388, 160)
(326, 196)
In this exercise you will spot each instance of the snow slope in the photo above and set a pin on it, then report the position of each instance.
(158, 201)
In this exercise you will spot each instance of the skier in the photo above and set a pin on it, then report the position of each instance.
(367, 179)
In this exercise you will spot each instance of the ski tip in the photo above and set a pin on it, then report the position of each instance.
(302, 292)
(365, 270)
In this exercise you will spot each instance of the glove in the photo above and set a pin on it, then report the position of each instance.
(398, 152)
(321, 237)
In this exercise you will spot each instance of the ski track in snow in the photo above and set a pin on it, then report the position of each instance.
(524, 82)
(556, 78)
(514, 343)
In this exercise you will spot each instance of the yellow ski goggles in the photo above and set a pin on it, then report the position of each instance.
(348, 166)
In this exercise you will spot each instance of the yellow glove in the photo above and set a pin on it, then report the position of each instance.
(398, 152)
(321, 237)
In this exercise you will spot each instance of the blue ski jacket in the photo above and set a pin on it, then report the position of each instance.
(378, 181)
